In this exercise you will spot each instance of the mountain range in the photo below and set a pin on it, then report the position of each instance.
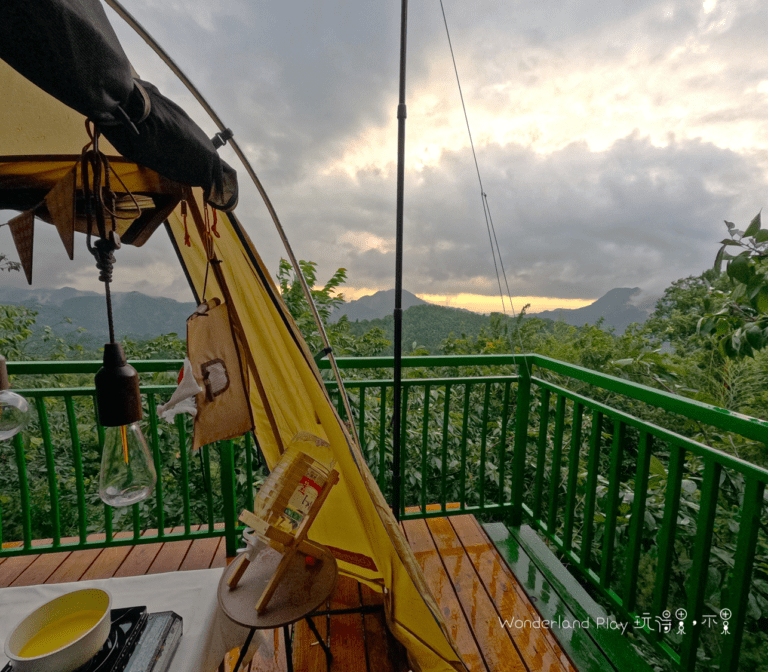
(375, 306)
(618, 308)
(426, 325)
(138, 316)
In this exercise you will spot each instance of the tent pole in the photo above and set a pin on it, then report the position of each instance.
(155, 46)
(398, 315)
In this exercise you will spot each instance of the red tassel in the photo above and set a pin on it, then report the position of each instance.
(187, 240)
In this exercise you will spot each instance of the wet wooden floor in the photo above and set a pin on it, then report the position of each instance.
(477, 592)
(474, 588)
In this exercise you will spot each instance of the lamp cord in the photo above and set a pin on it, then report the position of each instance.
(97, 200)
(103, 251)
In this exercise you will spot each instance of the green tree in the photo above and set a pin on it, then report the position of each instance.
(16, 324)
(7, 265)
(674, 321)
(741, 324)
(326, 299)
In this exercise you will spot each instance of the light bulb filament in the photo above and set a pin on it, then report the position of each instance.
(124, 438)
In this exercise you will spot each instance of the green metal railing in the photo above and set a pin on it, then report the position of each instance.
(598, 466)
(63, 479)
(617, 477)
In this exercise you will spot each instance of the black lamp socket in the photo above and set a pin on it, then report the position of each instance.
(118, 398)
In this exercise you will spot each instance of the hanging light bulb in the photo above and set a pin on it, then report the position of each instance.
(127, 470)
(14, 414)
(14, 409)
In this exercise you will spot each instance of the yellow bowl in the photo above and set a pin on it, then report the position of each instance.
(62, 634)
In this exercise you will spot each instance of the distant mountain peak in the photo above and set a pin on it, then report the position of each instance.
(619, 307)
(375, 306)
(42, 296)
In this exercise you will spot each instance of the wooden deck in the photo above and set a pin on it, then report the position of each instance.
(473, 586)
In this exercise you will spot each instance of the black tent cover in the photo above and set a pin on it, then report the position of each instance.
(69, 49)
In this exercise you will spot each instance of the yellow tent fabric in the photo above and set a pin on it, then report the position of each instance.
(287, 395)
(35, 123)
(41, 143)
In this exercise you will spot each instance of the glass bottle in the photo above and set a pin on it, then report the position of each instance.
(291, 488)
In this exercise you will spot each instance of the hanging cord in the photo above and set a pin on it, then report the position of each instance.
(187, 239)
(483, 196)
(97, 201)
(215, 222)
(208, 245)
(142, 32)
(103, 251)
(474, 156)
(487, 209)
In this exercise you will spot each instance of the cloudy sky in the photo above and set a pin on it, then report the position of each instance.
(613, 139)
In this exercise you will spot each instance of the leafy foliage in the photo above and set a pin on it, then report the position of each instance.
(741, 324)
(343, 341)
(674, 321)
(7, 264)
(15, 329)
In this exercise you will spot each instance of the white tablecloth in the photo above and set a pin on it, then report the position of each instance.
(208, 633)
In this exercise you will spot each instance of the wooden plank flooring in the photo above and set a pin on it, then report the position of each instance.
(359, 642)
(474, 589)
(349, 633)
(442, 588)
(477, 593)
(105, 563)
(512, 604)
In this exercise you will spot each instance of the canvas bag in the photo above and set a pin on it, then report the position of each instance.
(223, 411)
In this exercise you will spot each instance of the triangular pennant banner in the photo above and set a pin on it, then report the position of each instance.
(23, 231)
(61, 205)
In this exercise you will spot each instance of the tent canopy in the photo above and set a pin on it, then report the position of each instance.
(287, 396)
(69, 49)
(285, 391)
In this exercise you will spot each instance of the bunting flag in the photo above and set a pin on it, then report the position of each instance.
(61, 206)
(23, 231)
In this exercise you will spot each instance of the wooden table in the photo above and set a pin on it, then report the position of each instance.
(303, 589)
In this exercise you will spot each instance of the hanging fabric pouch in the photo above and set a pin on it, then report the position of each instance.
(223, 411)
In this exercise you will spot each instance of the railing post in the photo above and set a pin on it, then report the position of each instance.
(21, 465)
(152, 405)
(702, 549)
(740, 577)
(521, 442)
(183, 453)
(228, 493)
(77, 460)
(50, 467)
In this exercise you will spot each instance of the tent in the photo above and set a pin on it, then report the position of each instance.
(40, 144)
